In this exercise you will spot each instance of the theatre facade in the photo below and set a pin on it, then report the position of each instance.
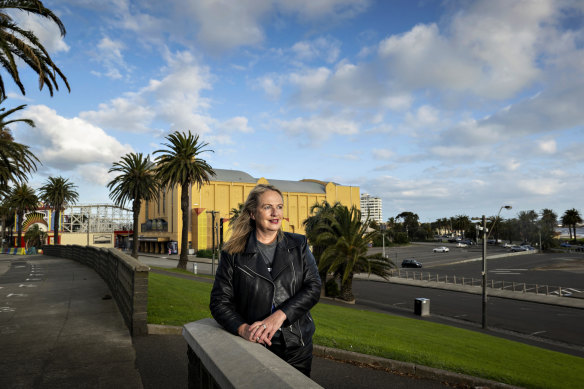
(160, 222)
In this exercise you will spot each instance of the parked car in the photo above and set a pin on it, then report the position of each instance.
(441, 249)
(518, 248)
(460, 244)
(454, 239)
(468, 242)
(507, 245)
(565, 244)
(528, 247)
(411, 263)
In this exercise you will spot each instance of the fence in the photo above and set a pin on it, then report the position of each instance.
(522, 287)
(126, 277)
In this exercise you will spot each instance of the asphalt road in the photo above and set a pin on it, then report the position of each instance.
(553, 327)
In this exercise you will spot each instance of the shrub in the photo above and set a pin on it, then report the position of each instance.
(331, 288)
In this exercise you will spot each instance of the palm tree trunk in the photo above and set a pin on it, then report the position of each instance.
(56, 226)
(20, 216)
(3, 225)
(136, 209)
(347, 289)
(184, 244)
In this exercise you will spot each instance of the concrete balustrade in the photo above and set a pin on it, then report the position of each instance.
(126, 277)
(218, 359)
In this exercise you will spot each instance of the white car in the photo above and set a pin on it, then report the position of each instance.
(441, 249)
(459, 244)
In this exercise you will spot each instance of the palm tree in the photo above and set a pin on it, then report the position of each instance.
(570, 218)
(6, 213)
(136, 181)
(22, 198)
(17, 43)
(57, 193)
(348, 254)
(179, 164)
(16, 160)
(235, 212)
(312, 225)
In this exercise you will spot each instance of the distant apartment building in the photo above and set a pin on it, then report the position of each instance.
(371, 205)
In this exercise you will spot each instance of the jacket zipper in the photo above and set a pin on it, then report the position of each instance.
(270, 281)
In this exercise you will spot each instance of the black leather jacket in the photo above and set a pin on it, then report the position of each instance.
(244, 290)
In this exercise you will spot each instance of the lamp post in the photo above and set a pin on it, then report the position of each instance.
(486, 234)
(213, 213)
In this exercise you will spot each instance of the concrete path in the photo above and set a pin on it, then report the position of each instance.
(60, 328)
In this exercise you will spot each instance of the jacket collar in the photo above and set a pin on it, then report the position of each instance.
(281, 262)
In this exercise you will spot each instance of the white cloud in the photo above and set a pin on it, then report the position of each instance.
(382, 154)
(64, 143)
(547, 146)
(45, 30)
(122, 113)
(326, 49)
(318, 128)
(109, 54)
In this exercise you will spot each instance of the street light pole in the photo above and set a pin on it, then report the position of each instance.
(213, 240)
(486, 234)
(484, 320)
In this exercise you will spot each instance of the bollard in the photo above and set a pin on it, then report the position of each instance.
(422, 307)
(195, 267)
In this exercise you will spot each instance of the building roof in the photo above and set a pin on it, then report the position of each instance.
(305, 186)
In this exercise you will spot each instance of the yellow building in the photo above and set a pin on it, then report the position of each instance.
(160, 221)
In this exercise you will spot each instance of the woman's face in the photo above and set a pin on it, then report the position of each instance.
(270, 211)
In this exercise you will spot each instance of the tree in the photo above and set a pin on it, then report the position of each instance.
(235, 212)
(547, 225)
(410, 222)
(348, 254)
(313, 225)
(462, 224)
(17, 43)
(179, 164)
(16, 160)
(527, 226)
(6, 213)
(22, 198)
(57, 193)
(136, 181)
(571, 218)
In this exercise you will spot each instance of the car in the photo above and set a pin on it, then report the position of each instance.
(411, 263)
(528, 247)
(516, 249)
(441, 249)
(468, 242)
(565, 244)
(454, 239)
(460, 244)
(507, 245)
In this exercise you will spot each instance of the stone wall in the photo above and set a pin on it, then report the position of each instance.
(126, 277)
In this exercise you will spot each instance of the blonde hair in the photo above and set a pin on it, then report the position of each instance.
(243, 225)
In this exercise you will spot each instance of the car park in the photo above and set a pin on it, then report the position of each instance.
(441, 249)
(411, 263)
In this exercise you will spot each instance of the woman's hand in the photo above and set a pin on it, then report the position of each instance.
(263, 331)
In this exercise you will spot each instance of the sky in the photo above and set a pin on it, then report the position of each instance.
(440, 108)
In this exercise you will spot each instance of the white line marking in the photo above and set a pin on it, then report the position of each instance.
(6, 309)
(27, 286)
(16, 294)
(537, 333)
(33, 279)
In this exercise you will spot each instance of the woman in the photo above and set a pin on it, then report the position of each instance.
(267, 281)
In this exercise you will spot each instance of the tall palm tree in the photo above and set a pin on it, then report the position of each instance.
(180, 164)
(17, 43)
(571, 218)
(57, 193)
(35, 237)
(6, 213)
(348, 254)
(22, 198)
(16, 160)
(136, 181)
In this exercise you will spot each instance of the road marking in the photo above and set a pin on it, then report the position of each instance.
(16, 294)
(27, 286)
(7, 309)
(34, 279)
(573, 290)
(537, 333)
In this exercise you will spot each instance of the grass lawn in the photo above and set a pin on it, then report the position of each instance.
(176, 301)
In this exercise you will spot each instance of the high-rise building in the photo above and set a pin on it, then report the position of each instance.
(371, 205)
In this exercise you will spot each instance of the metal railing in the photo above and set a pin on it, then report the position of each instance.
(512, 286)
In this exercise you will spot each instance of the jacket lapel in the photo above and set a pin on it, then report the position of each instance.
(282, 260)
(252, 258)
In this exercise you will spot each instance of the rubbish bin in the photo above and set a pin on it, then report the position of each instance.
(422, 307)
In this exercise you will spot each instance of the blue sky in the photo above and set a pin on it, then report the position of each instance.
(439, 107)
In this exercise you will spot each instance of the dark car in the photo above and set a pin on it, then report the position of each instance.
(411, 263)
